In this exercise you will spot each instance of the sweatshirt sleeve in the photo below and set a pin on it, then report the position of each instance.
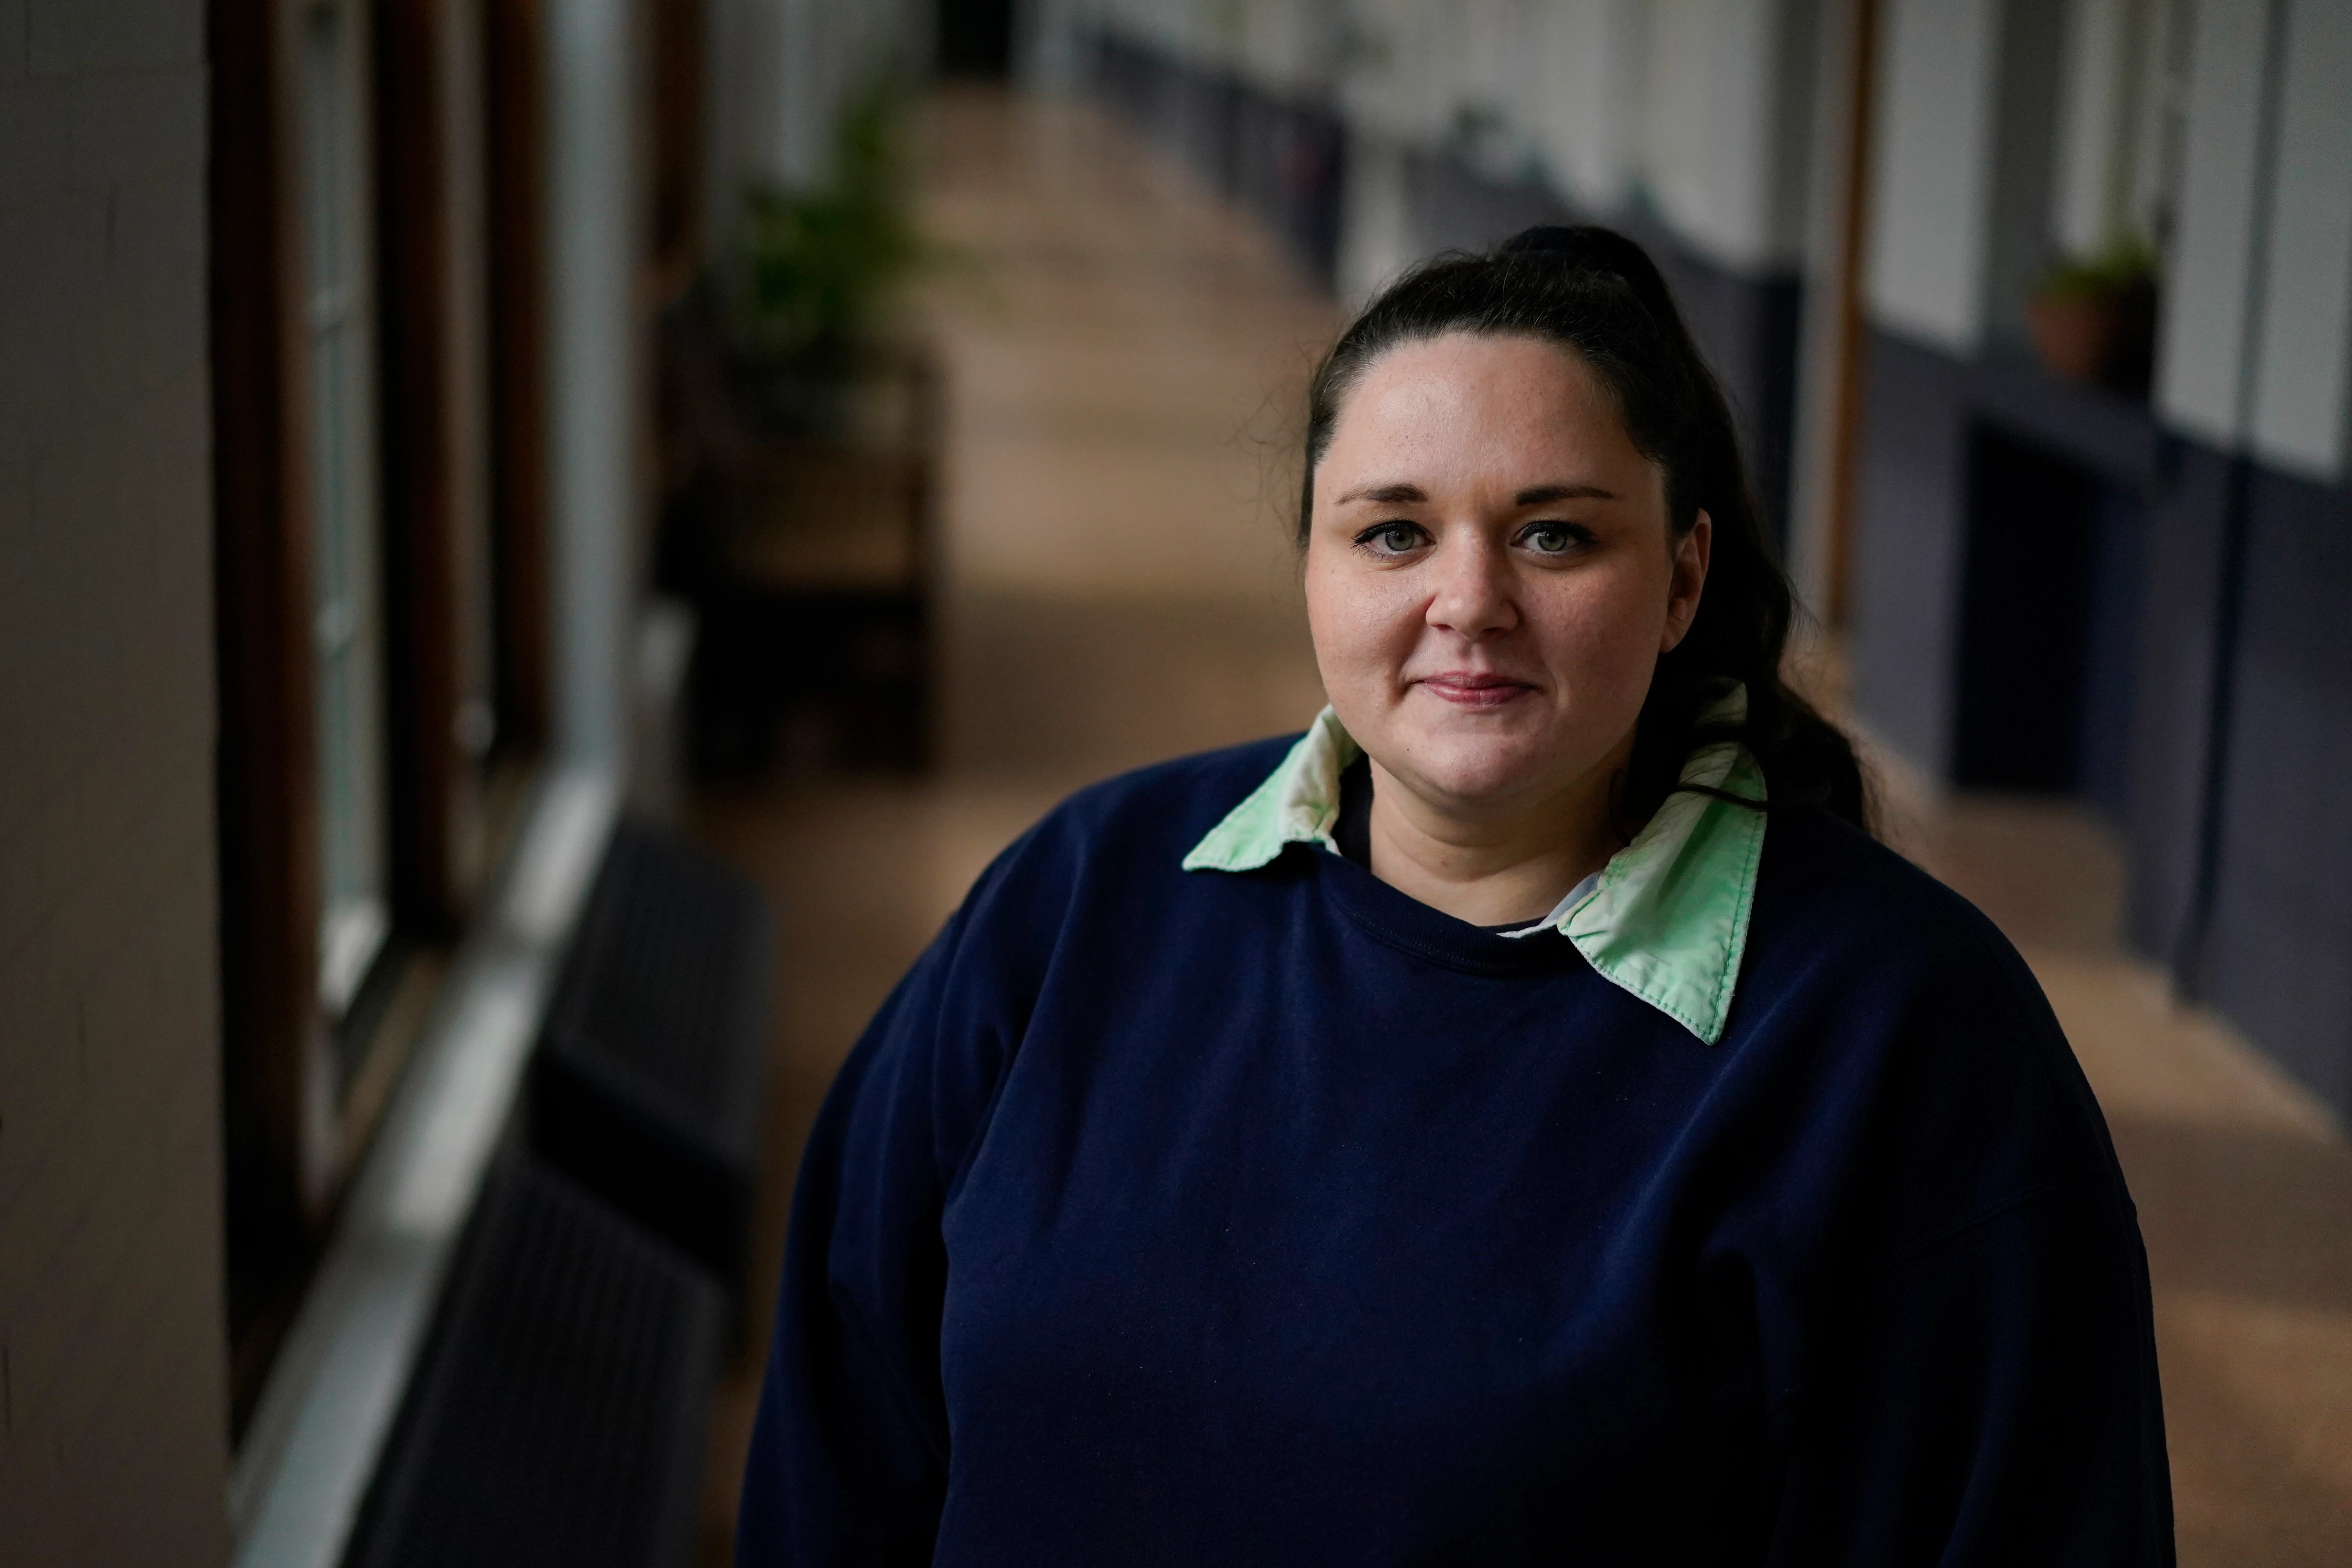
(1982, 1381)
(848, 1461)
(1993, 1401)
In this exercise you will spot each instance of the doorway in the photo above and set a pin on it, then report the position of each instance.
(2050, 611)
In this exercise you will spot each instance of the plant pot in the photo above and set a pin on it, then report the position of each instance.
(2107, 341)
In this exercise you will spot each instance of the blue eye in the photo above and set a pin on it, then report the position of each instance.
(1554, 538)
(1390, 537)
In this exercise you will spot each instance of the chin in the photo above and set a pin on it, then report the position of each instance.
(1478, 769)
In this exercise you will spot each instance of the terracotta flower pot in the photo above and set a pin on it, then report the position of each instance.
(2097, 339)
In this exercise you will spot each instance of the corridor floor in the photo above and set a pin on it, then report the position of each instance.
(1124, 354)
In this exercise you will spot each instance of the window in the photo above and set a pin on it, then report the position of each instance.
(379, 571)
(347, 623)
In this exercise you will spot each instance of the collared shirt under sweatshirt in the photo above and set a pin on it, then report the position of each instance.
(1198, 1198)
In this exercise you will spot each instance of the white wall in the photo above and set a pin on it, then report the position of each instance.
(776, 73)
(593, 374)
(2300, 390)
(2089, 113)
(112, 1387)
(1292, 46)
(1500, 76)
(1403, 75)
(2018, 249)
(1723, 151)
(1930, 185)
(2107, 125)
(1175, 26)
(1376, 239)
(2255, 351)
(2202, 342)
(1595, 59)
(1704, 103)
(2255, 347)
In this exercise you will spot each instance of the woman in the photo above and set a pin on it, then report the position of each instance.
(1524, 1120)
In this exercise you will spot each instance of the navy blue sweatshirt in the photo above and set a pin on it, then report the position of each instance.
(1276, 1217)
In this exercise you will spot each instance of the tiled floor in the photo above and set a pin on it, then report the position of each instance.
(1124, 358)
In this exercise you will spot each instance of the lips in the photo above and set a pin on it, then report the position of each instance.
(1473, 690)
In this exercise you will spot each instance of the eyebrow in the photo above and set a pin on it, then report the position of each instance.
(1543, 495)
(1387, 495)
(1534, 494)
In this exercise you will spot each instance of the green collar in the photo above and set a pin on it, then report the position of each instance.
(1667, 919)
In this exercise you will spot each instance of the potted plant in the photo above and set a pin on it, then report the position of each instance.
(2094, 317)
(803, 535)
(816, 269)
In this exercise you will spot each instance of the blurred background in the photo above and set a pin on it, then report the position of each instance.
(544, 542)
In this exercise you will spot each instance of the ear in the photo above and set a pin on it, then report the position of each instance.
(1692, 552)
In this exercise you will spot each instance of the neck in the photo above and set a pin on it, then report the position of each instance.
(1491, 865)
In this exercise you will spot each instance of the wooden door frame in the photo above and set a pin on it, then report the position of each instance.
(430, 456)
(515, 105)
(273, 1036)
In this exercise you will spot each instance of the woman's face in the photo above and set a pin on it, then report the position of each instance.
(1490, 577)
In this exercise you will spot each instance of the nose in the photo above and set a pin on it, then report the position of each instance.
(1474, 589)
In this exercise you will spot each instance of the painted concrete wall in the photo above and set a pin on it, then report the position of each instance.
(1930, 196)
(2273, 957)
(1378, 239)
(2301, 385)
(1283, 45)
(1190, 29)
(594, 370)
(2024, 143)
(2095, 40)
(2256, 346)
(1703, 104)
(112, 1383)
(1724, 129)
(775, 74)
(1400, 77)
(1291, 46)
(1587, 124)
(2110, 141)
(2202, 343)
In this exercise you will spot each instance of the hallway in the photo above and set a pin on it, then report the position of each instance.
(1120, 353)
(1123, 356)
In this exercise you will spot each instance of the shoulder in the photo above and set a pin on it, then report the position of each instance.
(1104, 858)
(1081, 881)
(1153, 814)
(1884, 988)
(1872, 934)
(1828, 886)
(1185, 796)
(1124, 836)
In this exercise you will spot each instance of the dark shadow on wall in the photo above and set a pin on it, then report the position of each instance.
(2049, 607)
(2278, 959)
(2026, 549)
(2173, 711)
(1979, 482)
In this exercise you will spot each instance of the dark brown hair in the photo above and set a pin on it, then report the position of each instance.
(1595, 291)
